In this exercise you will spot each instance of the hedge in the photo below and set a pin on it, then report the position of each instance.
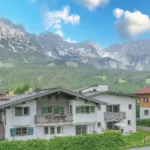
(143, 122)
(107, 140)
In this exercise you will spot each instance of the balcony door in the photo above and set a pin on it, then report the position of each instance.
(56, 110)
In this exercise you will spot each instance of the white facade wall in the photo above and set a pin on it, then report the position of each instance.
(83, 118)
(124, 107)
(142, 115)
(13, 121)
(69, 129)
(98, 88)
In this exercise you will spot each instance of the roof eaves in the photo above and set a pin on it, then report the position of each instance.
(32, 97)
(83, 97)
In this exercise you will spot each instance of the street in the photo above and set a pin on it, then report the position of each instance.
(143, 148)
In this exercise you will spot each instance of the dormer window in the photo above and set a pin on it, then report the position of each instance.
(145, 99)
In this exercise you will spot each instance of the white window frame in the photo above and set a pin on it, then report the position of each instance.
(22, 131)
(145, 99)
(23, 114)
(55, 130)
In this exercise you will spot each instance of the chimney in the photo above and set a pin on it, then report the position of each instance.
(30, 90)
(11, 93)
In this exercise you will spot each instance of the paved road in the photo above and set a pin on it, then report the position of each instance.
(143, 148)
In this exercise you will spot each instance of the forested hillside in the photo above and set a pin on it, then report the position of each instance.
(72, 78)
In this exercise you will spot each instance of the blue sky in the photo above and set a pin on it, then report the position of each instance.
(102, 21)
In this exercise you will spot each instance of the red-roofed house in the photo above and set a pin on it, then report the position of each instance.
(144, 102)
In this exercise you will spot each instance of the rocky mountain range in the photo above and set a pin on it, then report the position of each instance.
(18, 47)
(132, 54)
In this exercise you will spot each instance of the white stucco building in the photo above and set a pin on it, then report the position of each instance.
(120, 107)
(58, 112)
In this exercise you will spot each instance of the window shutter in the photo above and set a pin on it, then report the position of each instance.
(30, 131)
(12, 132)
(61, 109)
(44, 110)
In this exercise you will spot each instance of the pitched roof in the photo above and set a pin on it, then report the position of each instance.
(110, 93)
(28, 97)
(84, 88)
(143, 91)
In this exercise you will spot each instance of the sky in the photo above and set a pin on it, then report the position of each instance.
(102, 21)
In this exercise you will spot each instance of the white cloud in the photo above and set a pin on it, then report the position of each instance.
(57, 26)
(60, 32)
(131, 24)
(92, 4)
(55, 19)
(33, 1)
(70, 41)
(118, 12)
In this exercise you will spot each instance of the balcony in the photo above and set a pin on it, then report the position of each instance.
(57, 118)
(112, 116)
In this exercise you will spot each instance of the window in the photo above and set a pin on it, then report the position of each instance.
(18, 111)
(21, 111)
(94, 90)
(99, 107)
(145, 99)
(78, 110)
(146, 112)
(53, 110)
(99, 124)
(52, 130)
(21, 131)
(130, 106)
(46, 130)
(81, 129)
(61, 110)
(85, 109)
(116, 108)
(59, 130)
(24, 131)
(57, 97)
(26, 111)
(92, 109)
(113, 108)
(70, 109)
(129, 122)
(50, 109)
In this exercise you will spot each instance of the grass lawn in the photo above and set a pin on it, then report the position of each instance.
(137, 139)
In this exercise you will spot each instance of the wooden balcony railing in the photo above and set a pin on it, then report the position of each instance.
(58, 118)
(111, 116)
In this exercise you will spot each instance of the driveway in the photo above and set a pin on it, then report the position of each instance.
(143, 148)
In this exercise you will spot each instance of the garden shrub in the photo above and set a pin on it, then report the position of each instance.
(143, 122)
(106, 141)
